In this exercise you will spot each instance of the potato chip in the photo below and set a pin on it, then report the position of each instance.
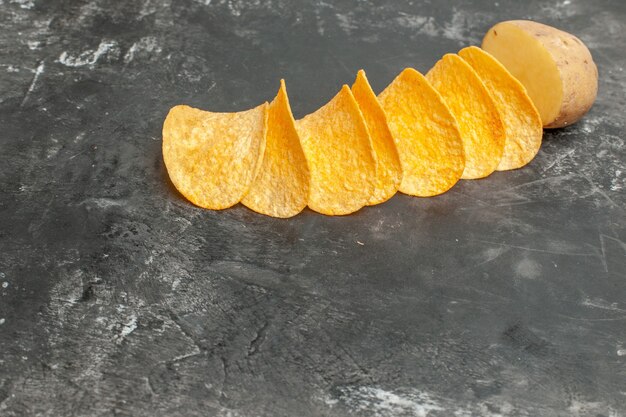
(388, 169)
(426, 135)
(474, 109)
(341, 160)
(281, 187)
(522, 122)
(212, 158)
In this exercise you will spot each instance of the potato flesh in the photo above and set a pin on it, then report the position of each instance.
(531, 63)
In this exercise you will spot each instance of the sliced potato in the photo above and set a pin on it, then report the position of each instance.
(555, 67)
(426, 134)
(338, 149)
(522, 122)
(388, 169)
(212, 158)
(281, 188)
(473, 107)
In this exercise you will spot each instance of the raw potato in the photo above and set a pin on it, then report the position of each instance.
(555, 67)
(521, 120)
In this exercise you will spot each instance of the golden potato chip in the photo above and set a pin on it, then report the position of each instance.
(388, 169)
(522, 122)
(212, 158)
(426, 135)
(474, 109)
(281, 187)
(341, 160)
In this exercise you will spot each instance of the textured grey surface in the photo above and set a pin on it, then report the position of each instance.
(503, 297)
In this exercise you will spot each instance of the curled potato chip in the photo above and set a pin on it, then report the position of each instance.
(341, 160)
(474, 109)
(426, 135)
(281, 187)
(522, 122)
(388, 169)
(212, 158)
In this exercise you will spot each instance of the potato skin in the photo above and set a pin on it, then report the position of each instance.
(578, 72)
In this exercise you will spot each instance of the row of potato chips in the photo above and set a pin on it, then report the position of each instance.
(465, 119)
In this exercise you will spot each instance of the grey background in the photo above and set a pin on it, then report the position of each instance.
(503, 297)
